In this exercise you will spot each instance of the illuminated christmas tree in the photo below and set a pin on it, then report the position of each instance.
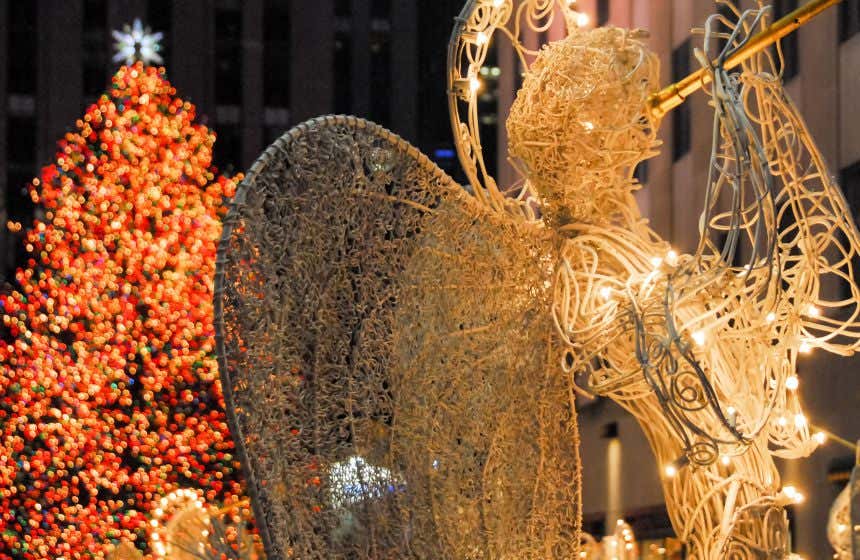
(109, 394)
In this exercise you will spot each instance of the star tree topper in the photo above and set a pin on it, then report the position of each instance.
(137, 43)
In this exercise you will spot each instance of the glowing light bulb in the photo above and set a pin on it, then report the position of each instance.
(482, 38)
(656, 262)
(672, 257)
(804, 348)
(782, 421)
(820, 438)
(813, 311)
(498, 3)
(799, 420)
(771, 317)
(588, 125)
(725, 460)
(792, 383)
(698, 337)
(670, 470)
(474, 84)
(605, 292)
(582, 19)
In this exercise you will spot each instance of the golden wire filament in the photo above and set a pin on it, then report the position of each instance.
(400, 357)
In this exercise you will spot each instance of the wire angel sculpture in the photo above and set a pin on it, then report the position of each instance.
(400, 357)
(839, 525)
(390, 359)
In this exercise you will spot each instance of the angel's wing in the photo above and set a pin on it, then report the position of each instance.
(387, 357)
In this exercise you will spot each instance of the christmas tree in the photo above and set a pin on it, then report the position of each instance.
(109, 393)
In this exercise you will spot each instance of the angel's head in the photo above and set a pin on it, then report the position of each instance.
(580, 124)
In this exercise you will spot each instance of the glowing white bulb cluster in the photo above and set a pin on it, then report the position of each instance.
(168, 506)
(136, 43)
(481, 39)
(793, 494)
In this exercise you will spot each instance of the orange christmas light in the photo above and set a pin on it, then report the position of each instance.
(109, 397)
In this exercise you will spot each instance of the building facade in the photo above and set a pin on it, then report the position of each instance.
(253, 68)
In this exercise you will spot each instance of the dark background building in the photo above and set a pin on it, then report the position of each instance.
(253, 68)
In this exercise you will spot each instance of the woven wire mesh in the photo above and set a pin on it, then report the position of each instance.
(388, 357)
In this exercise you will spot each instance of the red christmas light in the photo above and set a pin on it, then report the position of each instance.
(109, 394)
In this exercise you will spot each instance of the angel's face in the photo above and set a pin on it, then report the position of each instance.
(579, 124)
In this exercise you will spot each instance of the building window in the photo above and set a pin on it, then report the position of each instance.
(159, 17)
(228, 148)
(788, 44)
(850, 183)
(95, 52)
(276, 54)
(342, 71)
(228, 55)
(20, 170)
(488, 108)
(849, 179)
(276, 120)
(641, 172)
(602, 12)
(380, 9)
(681, 116)
(434, 134)
(849, 19)
(343, 8)
(727, 16)
(21, 157)
(21, 47)
(380, 64)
